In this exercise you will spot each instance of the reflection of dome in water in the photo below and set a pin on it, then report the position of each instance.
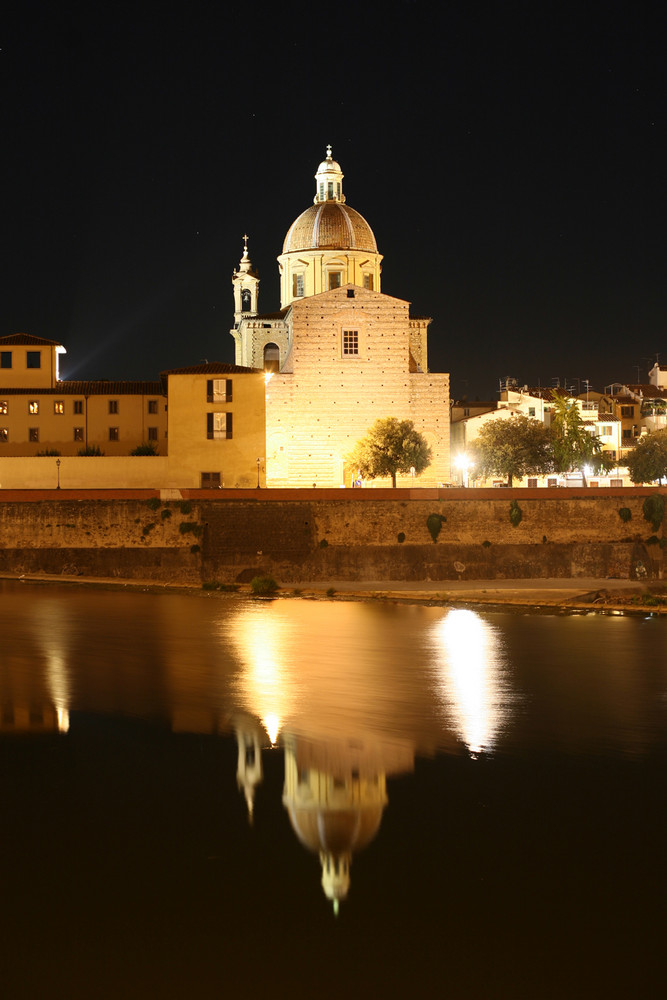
(337, 831)
(335, 807)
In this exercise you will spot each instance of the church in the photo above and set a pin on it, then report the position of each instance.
(339, 354)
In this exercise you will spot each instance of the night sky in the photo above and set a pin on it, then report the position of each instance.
(510, 158)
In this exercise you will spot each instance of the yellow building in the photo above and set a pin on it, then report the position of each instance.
(204, 425)
(342, 353)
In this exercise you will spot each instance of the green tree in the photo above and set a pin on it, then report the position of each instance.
(390, 446)
(574, 447)
(647, 462)
(513, 447)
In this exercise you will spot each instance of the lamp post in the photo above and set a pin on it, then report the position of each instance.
(258, 461)
(58, 472)
(463, 462)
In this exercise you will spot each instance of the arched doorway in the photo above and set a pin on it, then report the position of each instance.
(271, 358)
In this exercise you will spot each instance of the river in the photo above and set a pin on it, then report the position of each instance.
(209, 794)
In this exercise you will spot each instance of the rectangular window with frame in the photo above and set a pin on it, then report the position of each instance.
(59, 406)
(113, 433)
(33, 406)
(297, 286)
(615, 482)
(33, 433)
(606, 430)
(368, 282)
(33, 359)
(532, 484)
(335, 279)
(78, 406)
(211, 480)
(152, 433)
(627, 411)
(219, 390)
(350, 342)
(4, 433)
(113, 406)
(5, 359)
(78, 433)
(531, 411)
(218, 426)
(152, 405)
(4, 406)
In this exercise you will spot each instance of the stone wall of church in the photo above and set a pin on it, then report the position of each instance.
(317, 413)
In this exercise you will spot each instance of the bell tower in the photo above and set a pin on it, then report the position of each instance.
(245, 283)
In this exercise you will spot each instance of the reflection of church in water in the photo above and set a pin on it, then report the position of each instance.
(334, 793)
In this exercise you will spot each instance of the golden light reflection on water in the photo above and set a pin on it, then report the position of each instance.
(469, 662)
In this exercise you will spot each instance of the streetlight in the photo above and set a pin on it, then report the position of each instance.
(258, 461)
(58, 471)
(463, 463)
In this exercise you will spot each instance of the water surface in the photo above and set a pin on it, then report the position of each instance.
(194, 786)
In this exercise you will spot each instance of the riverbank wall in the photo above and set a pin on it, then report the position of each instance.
(308, 535)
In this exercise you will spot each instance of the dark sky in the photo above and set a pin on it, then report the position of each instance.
(510, 158)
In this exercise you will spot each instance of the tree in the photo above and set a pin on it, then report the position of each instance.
(390, 446)
(574, 447)
(647, 462)
(516, 446)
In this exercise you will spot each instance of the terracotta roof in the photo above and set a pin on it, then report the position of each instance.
(330, 225)
(26, 338)
(97, 388)
(649, 391)
(213, 368)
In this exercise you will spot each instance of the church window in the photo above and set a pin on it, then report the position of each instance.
(338, 190)
(218, 426)
(321, 190)
(297, 286)
(59, 406)
(368, 282)
(219, 390)
(330, 189)
(335, 279)
(350, 342)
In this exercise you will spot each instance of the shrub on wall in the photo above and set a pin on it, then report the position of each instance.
(625, 513)
(515, 514)
(400, 537)
(434, 523)
(263, 585)
(90, 449)
(654, 510)
(153, 503)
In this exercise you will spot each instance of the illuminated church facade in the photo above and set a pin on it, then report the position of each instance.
(339, 354)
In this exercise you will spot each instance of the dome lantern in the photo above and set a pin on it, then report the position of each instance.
(329, 181)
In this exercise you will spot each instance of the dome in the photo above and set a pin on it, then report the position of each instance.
(336, 831)
(330, 225)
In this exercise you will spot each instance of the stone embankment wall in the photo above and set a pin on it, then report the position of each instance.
(318, 535)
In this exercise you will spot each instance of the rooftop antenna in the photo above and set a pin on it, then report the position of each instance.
(587, 383)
